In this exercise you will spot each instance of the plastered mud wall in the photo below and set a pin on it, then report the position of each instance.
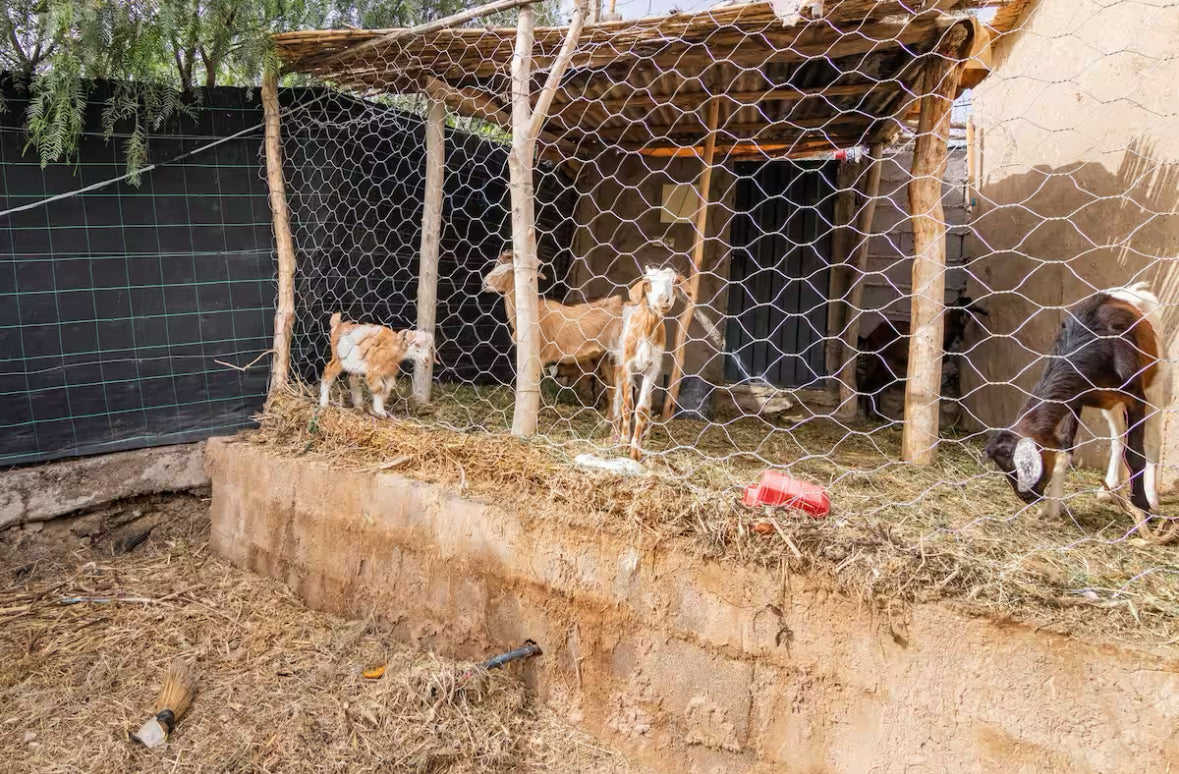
(690, 665)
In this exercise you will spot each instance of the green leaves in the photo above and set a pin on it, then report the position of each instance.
(157, 54)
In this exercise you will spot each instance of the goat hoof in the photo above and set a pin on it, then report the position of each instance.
(1048, 511)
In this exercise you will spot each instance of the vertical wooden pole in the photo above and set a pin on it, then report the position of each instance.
(284, 314)
(520, 163)
(923, 383)
(841, 268)
(855, 293)
(527, 124)
(971, 161)
(703, 187)
(423, 375)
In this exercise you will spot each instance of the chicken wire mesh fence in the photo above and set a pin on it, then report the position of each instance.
(769, 231)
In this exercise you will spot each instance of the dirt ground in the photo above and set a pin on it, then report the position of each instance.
(94, 609)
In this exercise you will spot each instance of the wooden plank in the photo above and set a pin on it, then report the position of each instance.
(284, 314)
(423, 375)
(846, 378)
(640, 99)
(798, 146)
(923, 383)
(748, 130)
(703, 191)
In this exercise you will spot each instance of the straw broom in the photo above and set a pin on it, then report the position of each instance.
(175, 698)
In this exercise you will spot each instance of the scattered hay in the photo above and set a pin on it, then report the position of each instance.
(898, 533)
(279, 686)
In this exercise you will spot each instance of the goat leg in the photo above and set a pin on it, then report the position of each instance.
(333, 369)
(621, 385)
(1113, 473)
(357, 393)
(1136, 459)
(643, 414)
(1065, 437)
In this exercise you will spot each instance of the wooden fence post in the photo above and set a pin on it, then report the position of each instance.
(423, 375)
(842, 241)
(923, 382)
(702, 192)
(284, 314)
(859, 268)
(527, 124)
(520, 165)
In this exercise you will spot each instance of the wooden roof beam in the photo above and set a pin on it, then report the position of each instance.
(741, 98)
(694, 127)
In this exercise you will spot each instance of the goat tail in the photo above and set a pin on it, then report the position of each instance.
(1139, 296)
(337, 318)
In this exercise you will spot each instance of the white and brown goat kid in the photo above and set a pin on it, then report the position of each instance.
(1106, 356)
(640, 352)
(374, 352)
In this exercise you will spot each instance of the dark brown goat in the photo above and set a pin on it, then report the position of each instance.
(884, 354)
(1105, 357)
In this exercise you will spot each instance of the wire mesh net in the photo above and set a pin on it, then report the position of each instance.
(117, 299)
(863, 281)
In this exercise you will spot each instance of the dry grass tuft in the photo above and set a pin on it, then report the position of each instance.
(280, 686)
(898, 533)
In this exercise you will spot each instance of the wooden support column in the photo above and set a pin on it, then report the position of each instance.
(703, 187)
(842, 240)
(423, 375)
(284, 314)
(854, 304)
(527, 124)
(923, 382)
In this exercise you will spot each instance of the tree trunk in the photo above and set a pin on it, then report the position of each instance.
(284, 315)
(423, 375)
(927, 322)
(520, 164)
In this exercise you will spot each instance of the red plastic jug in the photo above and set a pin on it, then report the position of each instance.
(779, 489)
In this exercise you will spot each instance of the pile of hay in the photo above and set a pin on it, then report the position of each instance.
(281, 687)
(898, 533)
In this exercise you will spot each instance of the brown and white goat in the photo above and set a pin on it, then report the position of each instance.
(374, 352)
(640, 352)
(570, 334)
(1106, 356)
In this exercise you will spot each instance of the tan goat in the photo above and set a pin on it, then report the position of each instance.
(570, 334)
(641, 349)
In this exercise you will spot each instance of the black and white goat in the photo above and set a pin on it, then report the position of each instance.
(1106, 356)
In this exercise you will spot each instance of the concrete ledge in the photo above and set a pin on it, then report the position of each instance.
(690, 665)
(56, 489)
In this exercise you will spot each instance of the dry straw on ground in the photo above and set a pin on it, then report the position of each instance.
(280, 686)
(898, 533)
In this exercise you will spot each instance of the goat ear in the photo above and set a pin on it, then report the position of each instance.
(1029, 465)
(681, 283)
(638, 291)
